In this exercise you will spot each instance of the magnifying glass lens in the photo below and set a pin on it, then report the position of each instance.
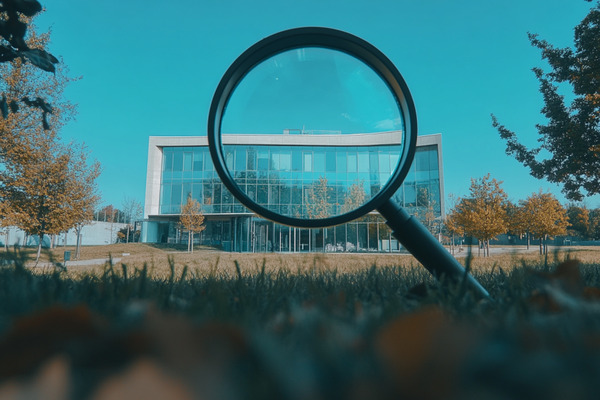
(312, 133)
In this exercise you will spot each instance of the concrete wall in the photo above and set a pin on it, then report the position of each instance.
(96, 233)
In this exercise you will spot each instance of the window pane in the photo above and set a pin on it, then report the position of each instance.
(187, 161)
(307, 164)
(177, 161)
(176, 194)
(167, 160)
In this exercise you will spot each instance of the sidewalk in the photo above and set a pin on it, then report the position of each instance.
(78, 263)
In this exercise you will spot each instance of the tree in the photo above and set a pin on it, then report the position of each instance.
(317, 199)
(132, 210)
(82, 192)
(483, 214)
(548, 217)
(595, 223)
(519, 220)
(579, 221)
(52, 193)
(355, 197)
(34, 166)
(15, 16)
(571, 137)
(192, 220)
(426, 211)
(453, 227)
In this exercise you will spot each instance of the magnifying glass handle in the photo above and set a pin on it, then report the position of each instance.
(425, 247)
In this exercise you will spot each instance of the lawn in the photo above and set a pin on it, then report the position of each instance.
(166, 324)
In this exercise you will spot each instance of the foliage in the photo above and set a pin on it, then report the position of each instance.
(579, 221)
(192, 220)
(426, 211)
(51, 193)
(44, 185)
(483, 214)
(317, 199)
(547, 217)
(127, 234)
(15, 47)
(355, 198)
(570, 140)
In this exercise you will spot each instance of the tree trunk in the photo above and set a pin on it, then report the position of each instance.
(541, 246)
(127, 239)
(39, 249)
(528, 240)
(78, 242)
(7, 239)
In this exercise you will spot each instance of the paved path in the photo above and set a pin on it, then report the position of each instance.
(78, 263)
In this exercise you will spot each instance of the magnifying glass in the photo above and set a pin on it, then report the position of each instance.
(315, 127)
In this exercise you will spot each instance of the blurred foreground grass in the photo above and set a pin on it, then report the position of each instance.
(299, 327)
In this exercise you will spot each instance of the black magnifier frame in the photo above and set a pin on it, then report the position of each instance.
(325, 38)
(407, 229)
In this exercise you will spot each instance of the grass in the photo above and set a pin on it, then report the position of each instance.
(215, 325)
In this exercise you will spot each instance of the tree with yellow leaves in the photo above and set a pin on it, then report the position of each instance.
(44, 184)
(483, 214)
(192, 220)
(548, 217)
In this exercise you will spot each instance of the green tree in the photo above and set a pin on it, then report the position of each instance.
(548, 217)
(595, 223)
(569, 152)
(192, 220)
(483, 214)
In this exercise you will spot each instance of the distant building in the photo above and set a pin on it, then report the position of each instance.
(179, 167)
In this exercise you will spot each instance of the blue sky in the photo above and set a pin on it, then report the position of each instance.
(151, 67)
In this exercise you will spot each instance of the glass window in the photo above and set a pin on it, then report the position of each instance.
(422, 160)
(167, 160)
(394, 159)
(197, 192)
(410, 195)
(176, 194)
(307, 162)
(187, 161)
(351, 162)
(296, 160)
(363, 162)
(433, 159)
(330, 160)
(263, 160)
(340, 161)
(240, 158)
(384, 163)
(251, 161)
(177, 160)
(285, 161)
(217, 193)
(319, 161)
(198, 160)
(208, 193)
(187, 191)
(275, 161)
(165, 196)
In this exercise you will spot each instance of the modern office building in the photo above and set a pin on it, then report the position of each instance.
(298, 175)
